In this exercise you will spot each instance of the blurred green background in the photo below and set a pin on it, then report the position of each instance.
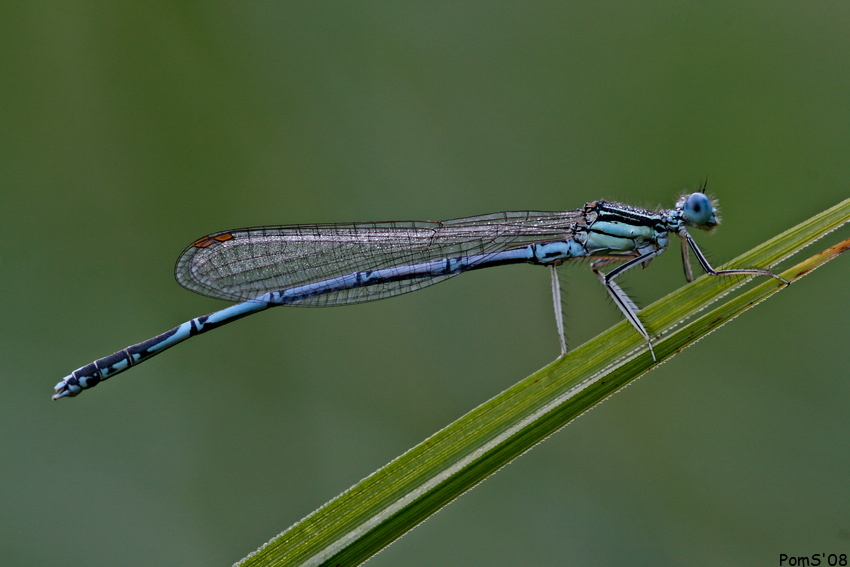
(127, 130)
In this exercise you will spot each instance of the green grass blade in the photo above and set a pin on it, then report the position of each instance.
(382, 507)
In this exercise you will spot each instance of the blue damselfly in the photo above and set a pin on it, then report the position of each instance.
(321, 265)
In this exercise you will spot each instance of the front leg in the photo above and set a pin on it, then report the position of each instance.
(703, 261)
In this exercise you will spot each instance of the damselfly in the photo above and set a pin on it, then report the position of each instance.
(321, 265)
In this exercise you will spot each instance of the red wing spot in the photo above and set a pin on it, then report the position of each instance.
(210, 240)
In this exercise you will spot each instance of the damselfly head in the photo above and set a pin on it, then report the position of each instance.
(698, 211)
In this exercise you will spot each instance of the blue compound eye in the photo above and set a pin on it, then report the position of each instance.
(698, 210)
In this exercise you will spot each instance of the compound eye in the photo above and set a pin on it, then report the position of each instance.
(698, 210)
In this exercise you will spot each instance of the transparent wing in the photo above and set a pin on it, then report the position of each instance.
(239, 265)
